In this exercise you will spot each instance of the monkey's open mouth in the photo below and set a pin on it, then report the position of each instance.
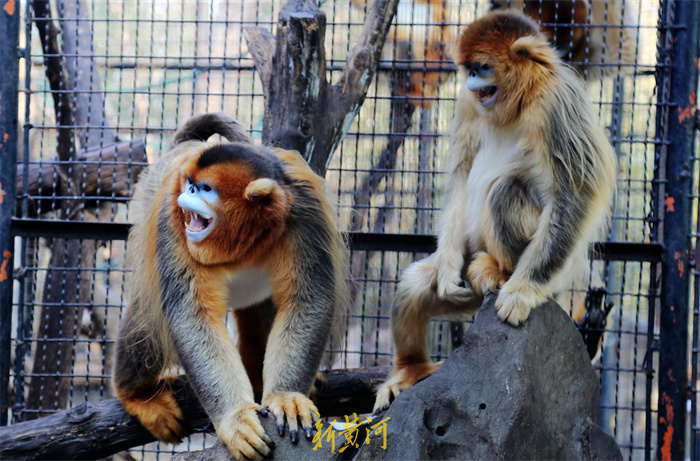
(487, 95)
(195, 222)
(196, 226)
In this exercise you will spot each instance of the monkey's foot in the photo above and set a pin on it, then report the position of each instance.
(401, 379)
(515, 300)
(243, 434)
(291, 406)
(157, 411)
(485, 274)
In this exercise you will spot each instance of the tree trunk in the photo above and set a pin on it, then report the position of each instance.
(302, 110)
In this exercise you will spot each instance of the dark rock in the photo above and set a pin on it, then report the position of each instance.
(508, 393)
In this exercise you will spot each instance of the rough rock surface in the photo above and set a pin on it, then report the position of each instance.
(508, 393)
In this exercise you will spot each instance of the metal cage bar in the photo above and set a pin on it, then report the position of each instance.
(9, 92)
(677, 80)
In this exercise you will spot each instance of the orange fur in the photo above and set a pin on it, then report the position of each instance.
(485, 274)
(249, 228)
(157, 410)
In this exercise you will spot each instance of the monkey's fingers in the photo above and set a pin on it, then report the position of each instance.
(243, 434)
(460, 295)
(516, 300)
(308, 419)
(452, 288)
(291, 407)
(385, 394)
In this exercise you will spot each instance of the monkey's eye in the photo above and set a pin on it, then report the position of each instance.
(208, 193)
(479, 70)
(486, 70)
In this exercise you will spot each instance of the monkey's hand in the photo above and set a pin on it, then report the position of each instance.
(401, 379)
(291, 406)
(516, 299)
(243, 434)
(452, 287)
(157, 411)
(485, 274)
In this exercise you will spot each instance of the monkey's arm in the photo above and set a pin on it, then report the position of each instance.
(194, 307)
(291, 361)
(559, 237)
(305, 296)
(452, 251)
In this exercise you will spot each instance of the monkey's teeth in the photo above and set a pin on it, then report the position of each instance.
(196, 223)
(486, 92)
(487, 95)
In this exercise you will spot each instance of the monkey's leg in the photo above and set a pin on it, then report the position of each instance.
(141, 356)
(485, 274)
(253, 325)
(415, 302)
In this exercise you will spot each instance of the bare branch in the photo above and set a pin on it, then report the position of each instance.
(110, 171)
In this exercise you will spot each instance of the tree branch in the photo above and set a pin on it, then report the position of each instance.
(92, 431)
(110, 171)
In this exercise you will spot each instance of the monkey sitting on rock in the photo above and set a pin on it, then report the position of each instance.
(530, 182)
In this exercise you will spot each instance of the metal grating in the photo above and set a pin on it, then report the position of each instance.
(132, 71)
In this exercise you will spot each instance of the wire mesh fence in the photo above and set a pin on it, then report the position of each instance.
(104, 85)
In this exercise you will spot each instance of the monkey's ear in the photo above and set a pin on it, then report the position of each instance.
(262, 187)
(533, 48)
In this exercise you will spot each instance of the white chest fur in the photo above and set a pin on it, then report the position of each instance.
(247, 287)
(499, 156)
